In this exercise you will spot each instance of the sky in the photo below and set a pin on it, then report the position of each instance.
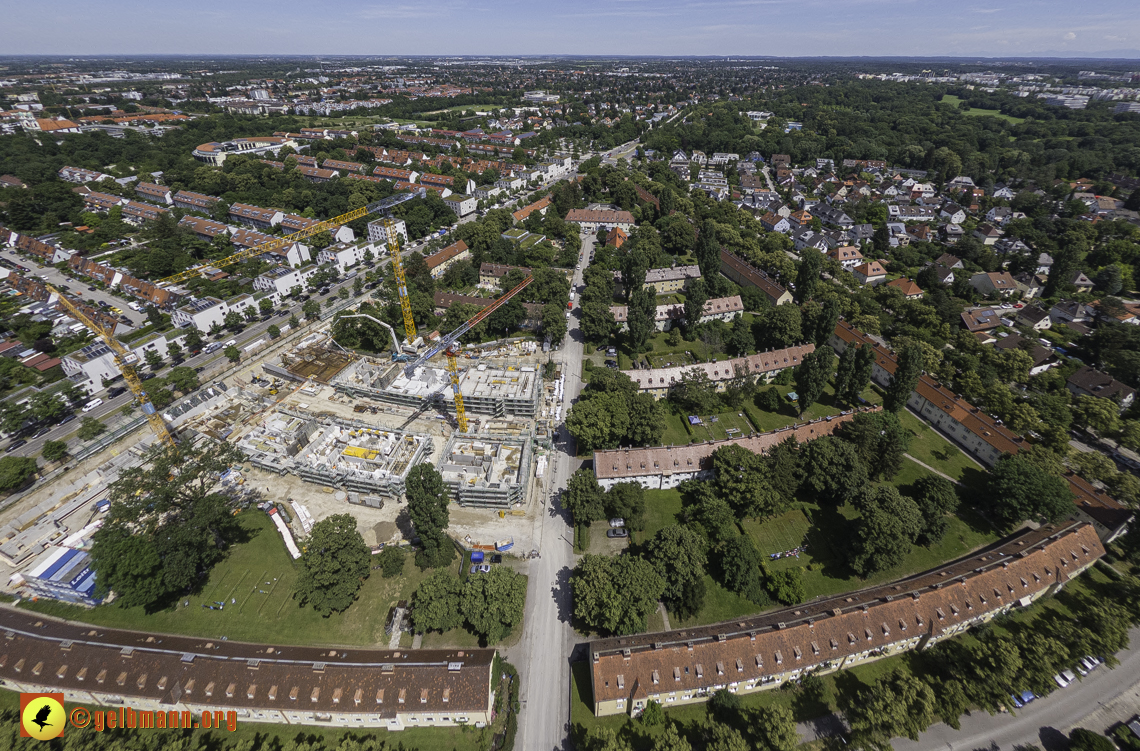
(785, 28)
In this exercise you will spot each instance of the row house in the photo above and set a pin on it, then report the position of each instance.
(207, 312)
(746, 275)
(911, 213)
(154, 193)
(315, 175)
(185, 199)
(665, 280)
(47, 254)
(396, 174)
(657, 382)
(101, 202)
(166, 681)
(293, 223)
(341, 166)
(255, 216)
(204, 229)
(438, 263)
(767, 651)
(136, 213)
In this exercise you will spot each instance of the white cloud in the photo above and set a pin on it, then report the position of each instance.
(1070, 35)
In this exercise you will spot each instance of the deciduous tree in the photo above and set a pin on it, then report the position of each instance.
(678, 555)
(428, 499)
(905, 378)
(334, 565)
(888, 524)
(615, 595)
(493, 603)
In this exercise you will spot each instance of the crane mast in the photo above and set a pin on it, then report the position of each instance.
(125, 360)
(401, 281)
(449, 345)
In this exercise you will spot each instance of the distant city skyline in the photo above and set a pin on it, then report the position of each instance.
(786, 28)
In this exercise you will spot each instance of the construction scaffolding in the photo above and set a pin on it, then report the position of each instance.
(328, 450)
(487, 472)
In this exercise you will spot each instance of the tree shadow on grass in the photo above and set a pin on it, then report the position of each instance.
(827, 542)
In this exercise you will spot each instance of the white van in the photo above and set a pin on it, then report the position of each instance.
(92, 405)
(134, 306)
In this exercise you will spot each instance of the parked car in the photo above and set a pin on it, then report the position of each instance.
(617, 533)
(1091, 663)
(117, 391)
(67, 419)
(41, 432)
(14, 445)
(92, 405)
(1064, 678)
(484, 568)
(617, 522)
(1017, 703)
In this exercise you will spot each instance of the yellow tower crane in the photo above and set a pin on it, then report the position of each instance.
(125, 360)
(401, 281)
(449, 345)
(284, 242)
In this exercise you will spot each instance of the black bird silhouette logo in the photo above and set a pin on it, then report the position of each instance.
(42, 716)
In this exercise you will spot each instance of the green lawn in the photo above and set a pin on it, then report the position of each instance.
(976, 112)
(929, 447)
(256, 582)
(768, 421)
(661, 510)
(778, 535)
(714, 427)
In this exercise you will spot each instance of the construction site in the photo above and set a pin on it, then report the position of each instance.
(325, 430)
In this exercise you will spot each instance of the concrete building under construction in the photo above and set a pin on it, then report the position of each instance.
(487, 389)
(333, 451)
(484, 471)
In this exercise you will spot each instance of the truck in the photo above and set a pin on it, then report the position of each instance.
(505, 544)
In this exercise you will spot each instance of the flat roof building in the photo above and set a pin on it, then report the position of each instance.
(484, 471)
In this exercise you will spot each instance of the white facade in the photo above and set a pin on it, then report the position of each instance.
(279, 280)
(462, 205)
(345, 256)
(378, 233)
(204, 313)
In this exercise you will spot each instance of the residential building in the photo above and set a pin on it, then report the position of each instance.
(1091, 382)
(616, 238)
(773, 222)
(168, 681)
(11, 181)
(279, 281)
(719, 308)
(491, 273)
(848, 256)
(395, 174)
(342, 166)
(378, 232)
(1109, 517)
(744, 274)
(1081, 282)
(154, 193)
(591, 220)
(540, 206)
(909, 289)
(205, 312)
(1043, 357)
(658, 381)
(987, 234)
(255, 216)
(101, 202)
(981, 319)
(832, 216)
(1070, 311)
(461, 204)
(870, 273)
(90, 366)
(185, 199)
(80, 175)
(317, 175)
(136, 213)
(994, 283)
(1034, 317)
(439, 262)
(666, 280)
(755, 653)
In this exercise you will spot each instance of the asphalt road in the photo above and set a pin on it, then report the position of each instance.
(1039, 722)
(543, 654)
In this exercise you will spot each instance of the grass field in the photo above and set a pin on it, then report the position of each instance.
(929, 447)
(786, 531)
(713, 427)
(661, 509)
(256, 582)
(975, 112)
